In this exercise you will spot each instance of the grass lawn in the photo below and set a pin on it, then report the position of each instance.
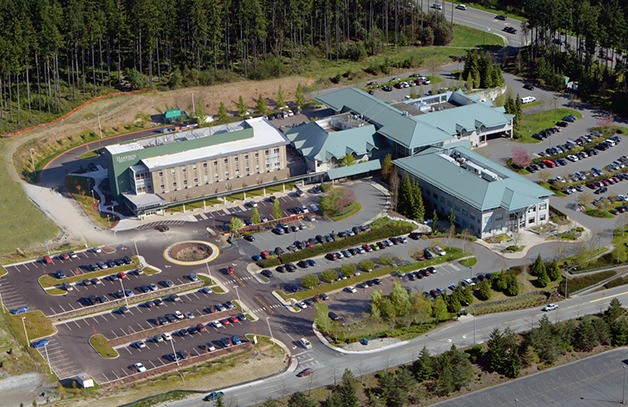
(14, 357)
(470, 262)
(37, 325)
(352, 209)
(535, 122)
(26, 223)
(102, 346)
(537, 103)
(498, 11)
(48, 281)
(88, 155)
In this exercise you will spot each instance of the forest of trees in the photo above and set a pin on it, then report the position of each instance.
(601, 29)
(53, 52)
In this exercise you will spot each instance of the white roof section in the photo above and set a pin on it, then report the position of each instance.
(144, 200)
(123, 148)
(264, 135)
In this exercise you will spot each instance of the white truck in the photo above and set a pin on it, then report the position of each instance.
(305, 343)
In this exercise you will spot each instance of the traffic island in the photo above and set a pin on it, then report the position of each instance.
(102, 347)
(191, 253)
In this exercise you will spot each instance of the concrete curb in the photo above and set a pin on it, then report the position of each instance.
(325, 342)
(289, 306)
(252, 269)
(216, 283)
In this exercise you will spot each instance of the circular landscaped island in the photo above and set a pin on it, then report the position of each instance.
(191, 253)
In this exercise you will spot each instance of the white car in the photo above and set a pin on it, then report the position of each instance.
(439, 250)
(158, 338)
(215, 324)
(549, 307)
(179, 315)
(437, 6)
(167, 336)
(140, 344)
(139, 367)
(302, 305)
(189, 314)
(351, 289)
(97, 250)
(461, 7)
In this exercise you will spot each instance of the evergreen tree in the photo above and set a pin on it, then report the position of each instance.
(445, 382)
(538, 267)
(614, 311)
(619, 332)
(333, 400)
(242, 110)
(553, 271)
(321, 317)
(255, 216)
(404, 202)
(462, 369)
(586, 337)
(424, 366)
(417, 210)
(222, 113)
(434, 222)
(603, 331)
(299, 399)
(281, 100)
(262, 107)
(512, 285)
(300, 97)
(495, 351)
(484, 291)
(276, 211)
(439, 309)
(387, 168)
(346, 390)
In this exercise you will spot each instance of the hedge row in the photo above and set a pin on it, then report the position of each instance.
(579, 283)
(343, 243)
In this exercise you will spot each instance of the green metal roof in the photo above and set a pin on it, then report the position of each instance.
(359, 168)
(390, 122)
(317, 144)
(511, 191)
(469, 117)
(172, 113)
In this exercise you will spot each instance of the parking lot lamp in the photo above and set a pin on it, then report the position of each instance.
(137, 253)
(238, 294)
(174, 352)
(126, 299)
(208, 271)
(269, 330)
(623, 393)
(25, 332)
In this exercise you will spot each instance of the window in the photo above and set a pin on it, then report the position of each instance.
(542, 218)
(472, 217)
(184, 169)
(531, 220)
(226, 160)
(542, 207)
(204, 165)
(246, 157)
(161, 173)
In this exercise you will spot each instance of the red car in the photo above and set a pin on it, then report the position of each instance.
(264, 254)
(230, 270)
(122, 275)
(201, 327)
(305, 372)
(233, 319)
(225, 321)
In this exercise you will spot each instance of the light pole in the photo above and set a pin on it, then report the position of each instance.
(474, 324)
(516, 402)
(174, 352)
(48, 358)
(137, 253)
(208, 271)
(238, 294)
(26, 333)
(126, 299)
(623, 393)
(269, 330)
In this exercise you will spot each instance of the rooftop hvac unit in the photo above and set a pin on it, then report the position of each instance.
(472, 167)
(448, 158)
(490, 176)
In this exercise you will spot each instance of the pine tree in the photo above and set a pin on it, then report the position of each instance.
(495, 351)
(404, 201)
(300, 97)
(387, 167)
(347, 388)
(586, 337)
(553, 271)
(222, 113)
(614, 311)
(281, 101)
(261, 104)
(418, 210)
(276, 211)
(255, 216)
(242, 111)
(538, 267)
(434, 222)
(424, 366)
(299, 399)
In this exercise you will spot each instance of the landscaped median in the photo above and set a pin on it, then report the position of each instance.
(37, 325)
(47, 281)
(453, 253)
(102, 346)
(382, 228)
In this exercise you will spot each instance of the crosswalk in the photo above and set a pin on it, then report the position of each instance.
(161, 223)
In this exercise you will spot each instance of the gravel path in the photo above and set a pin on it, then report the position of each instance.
(23, 389)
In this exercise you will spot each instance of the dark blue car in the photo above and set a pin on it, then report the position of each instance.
(21, 310)
(40, 343)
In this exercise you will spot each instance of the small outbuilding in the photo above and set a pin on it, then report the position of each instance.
(173, 116)
(85, 380)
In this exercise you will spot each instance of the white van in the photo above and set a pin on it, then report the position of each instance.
(528, 99)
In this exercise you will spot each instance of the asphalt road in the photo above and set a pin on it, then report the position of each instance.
(329, 364)
(594, 381)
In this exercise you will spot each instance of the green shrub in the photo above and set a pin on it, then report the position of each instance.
(329, 276)
(579, 283)
(326, 187)
(348, 269)
(366, 264)
(310, 281)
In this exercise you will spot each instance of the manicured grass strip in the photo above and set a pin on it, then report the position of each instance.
(470, 262)
(48, 281)
(101, 345)
(350, 210)
(598, 213)
(149, 271)
(453, 253)
(578, 283)
(88, 155)
(37, 325)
